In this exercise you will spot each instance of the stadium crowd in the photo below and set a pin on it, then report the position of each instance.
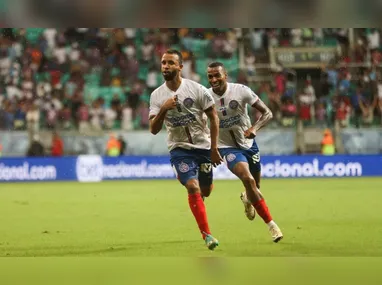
(349, 90)
(102, 78)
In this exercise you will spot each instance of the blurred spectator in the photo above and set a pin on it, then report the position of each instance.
(327, 143)
(360, 51)
(344, 84)
(273, 37)
(13, 92)
(33, 120)
(356, 100)
(36, 149)
(288, 112)
(310, 96)
(343, 114)
(51, 116)
(307, 35)
(123, 146)
(256, 38)
(152, 77)
(147, 50)
(113, 147)
(65, 116)
(9, 115)
(367, 109)
(318, 36)
(83, 118)
(229, 44)
(20, 116)
(57, 145)
(134, 97)
(280, 81)
(373, 39)
(96, 114)
(296, 37)
(127, 118)
(110, 115)
(143, 113)
(321, 117)
(326, 87)
(249, 61)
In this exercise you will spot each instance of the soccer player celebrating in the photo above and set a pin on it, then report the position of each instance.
(183, 106)
(236, 140)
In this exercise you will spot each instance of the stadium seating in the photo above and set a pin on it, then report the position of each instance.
(102, 75)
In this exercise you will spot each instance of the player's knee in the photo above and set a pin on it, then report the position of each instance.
(192, 186)
(248, 180)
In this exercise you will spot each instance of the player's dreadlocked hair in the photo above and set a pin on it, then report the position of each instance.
(178, 53)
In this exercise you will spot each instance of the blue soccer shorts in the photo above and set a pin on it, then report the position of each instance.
(192, 164)
(234, 155)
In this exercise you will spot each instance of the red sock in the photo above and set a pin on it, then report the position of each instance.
(263, 211)
(199, 210)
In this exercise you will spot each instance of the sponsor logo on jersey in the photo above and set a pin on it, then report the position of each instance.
(182, 120)
(230, 122)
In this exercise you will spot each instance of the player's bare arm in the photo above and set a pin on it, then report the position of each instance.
(266, 116)
(156, 122)
(214, 129)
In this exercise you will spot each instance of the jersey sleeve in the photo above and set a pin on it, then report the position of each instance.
(154, 105)
(205, 98)
(250, 97)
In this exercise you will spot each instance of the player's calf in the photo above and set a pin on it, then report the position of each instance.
(263, 211)
(206, 190)
(198, 209)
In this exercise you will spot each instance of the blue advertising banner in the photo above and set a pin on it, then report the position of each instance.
(95, 168)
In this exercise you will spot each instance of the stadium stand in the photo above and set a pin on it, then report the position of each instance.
(101, 78)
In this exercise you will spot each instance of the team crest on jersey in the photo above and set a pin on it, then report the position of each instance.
(183, 167)
(233, 104)
(188, 102)
(231, 157)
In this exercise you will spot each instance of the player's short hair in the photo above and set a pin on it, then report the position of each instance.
(178, 53)
(216, 64)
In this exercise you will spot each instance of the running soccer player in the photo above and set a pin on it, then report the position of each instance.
(236, 140)
(184, 106)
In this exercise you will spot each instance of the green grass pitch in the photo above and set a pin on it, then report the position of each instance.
(319, 218)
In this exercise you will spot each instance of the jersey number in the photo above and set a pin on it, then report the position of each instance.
(206, 167)
(256, 158)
